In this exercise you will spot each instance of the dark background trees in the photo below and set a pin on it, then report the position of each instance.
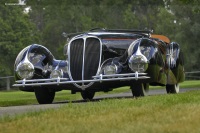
(16, 32)
(48, 19)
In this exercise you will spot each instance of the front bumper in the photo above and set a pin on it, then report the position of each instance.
(99, 78)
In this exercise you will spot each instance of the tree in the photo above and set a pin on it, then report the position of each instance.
(48, 19)
(17, 32)
(187, 30)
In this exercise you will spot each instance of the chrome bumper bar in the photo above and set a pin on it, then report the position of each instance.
(99, 78)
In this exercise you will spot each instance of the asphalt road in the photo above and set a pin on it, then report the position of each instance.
(15, 110)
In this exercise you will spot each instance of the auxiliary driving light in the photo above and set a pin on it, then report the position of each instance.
(110, 69)
(56, 74)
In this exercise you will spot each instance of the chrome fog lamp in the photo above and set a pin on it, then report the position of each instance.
(110, 69)
(56, 74)
(138, 63)
(25, 70)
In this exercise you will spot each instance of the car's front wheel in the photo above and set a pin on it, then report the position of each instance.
(44, 95)
(172, 88)
(87, 95)
(140, 89)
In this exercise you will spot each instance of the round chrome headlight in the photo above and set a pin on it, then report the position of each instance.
(138, 63)
(56, 74)
(110, 69)
(25, 70)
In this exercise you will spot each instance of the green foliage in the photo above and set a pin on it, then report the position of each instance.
(16, 32)
(130, 18)
(186, 28)
(48, 19)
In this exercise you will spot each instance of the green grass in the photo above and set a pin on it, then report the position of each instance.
(175, 113)
(14, 98)
(190, 84)
(185, 84)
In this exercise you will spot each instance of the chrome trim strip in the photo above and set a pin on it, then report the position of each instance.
(40, 80)
(68, 57)
(83, 65)
(120, 75)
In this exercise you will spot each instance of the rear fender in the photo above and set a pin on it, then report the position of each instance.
(175, 62)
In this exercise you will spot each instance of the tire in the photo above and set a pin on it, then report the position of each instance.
(140, 89)
(173, 89)
(87, 95)
(44, 95)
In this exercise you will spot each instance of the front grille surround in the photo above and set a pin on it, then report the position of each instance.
(84, 56)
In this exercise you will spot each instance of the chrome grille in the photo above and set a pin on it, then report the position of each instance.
(85, 57)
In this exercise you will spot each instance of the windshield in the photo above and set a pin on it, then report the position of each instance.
(119, 43)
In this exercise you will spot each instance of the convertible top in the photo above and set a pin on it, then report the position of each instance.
(161, 37)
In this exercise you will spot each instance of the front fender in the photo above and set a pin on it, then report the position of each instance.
(41, 58)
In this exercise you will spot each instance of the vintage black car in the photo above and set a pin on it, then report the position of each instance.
(101, 60)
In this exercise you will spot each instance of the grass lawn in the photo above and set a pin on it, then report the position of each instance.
(175, 113)
(14, 98)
